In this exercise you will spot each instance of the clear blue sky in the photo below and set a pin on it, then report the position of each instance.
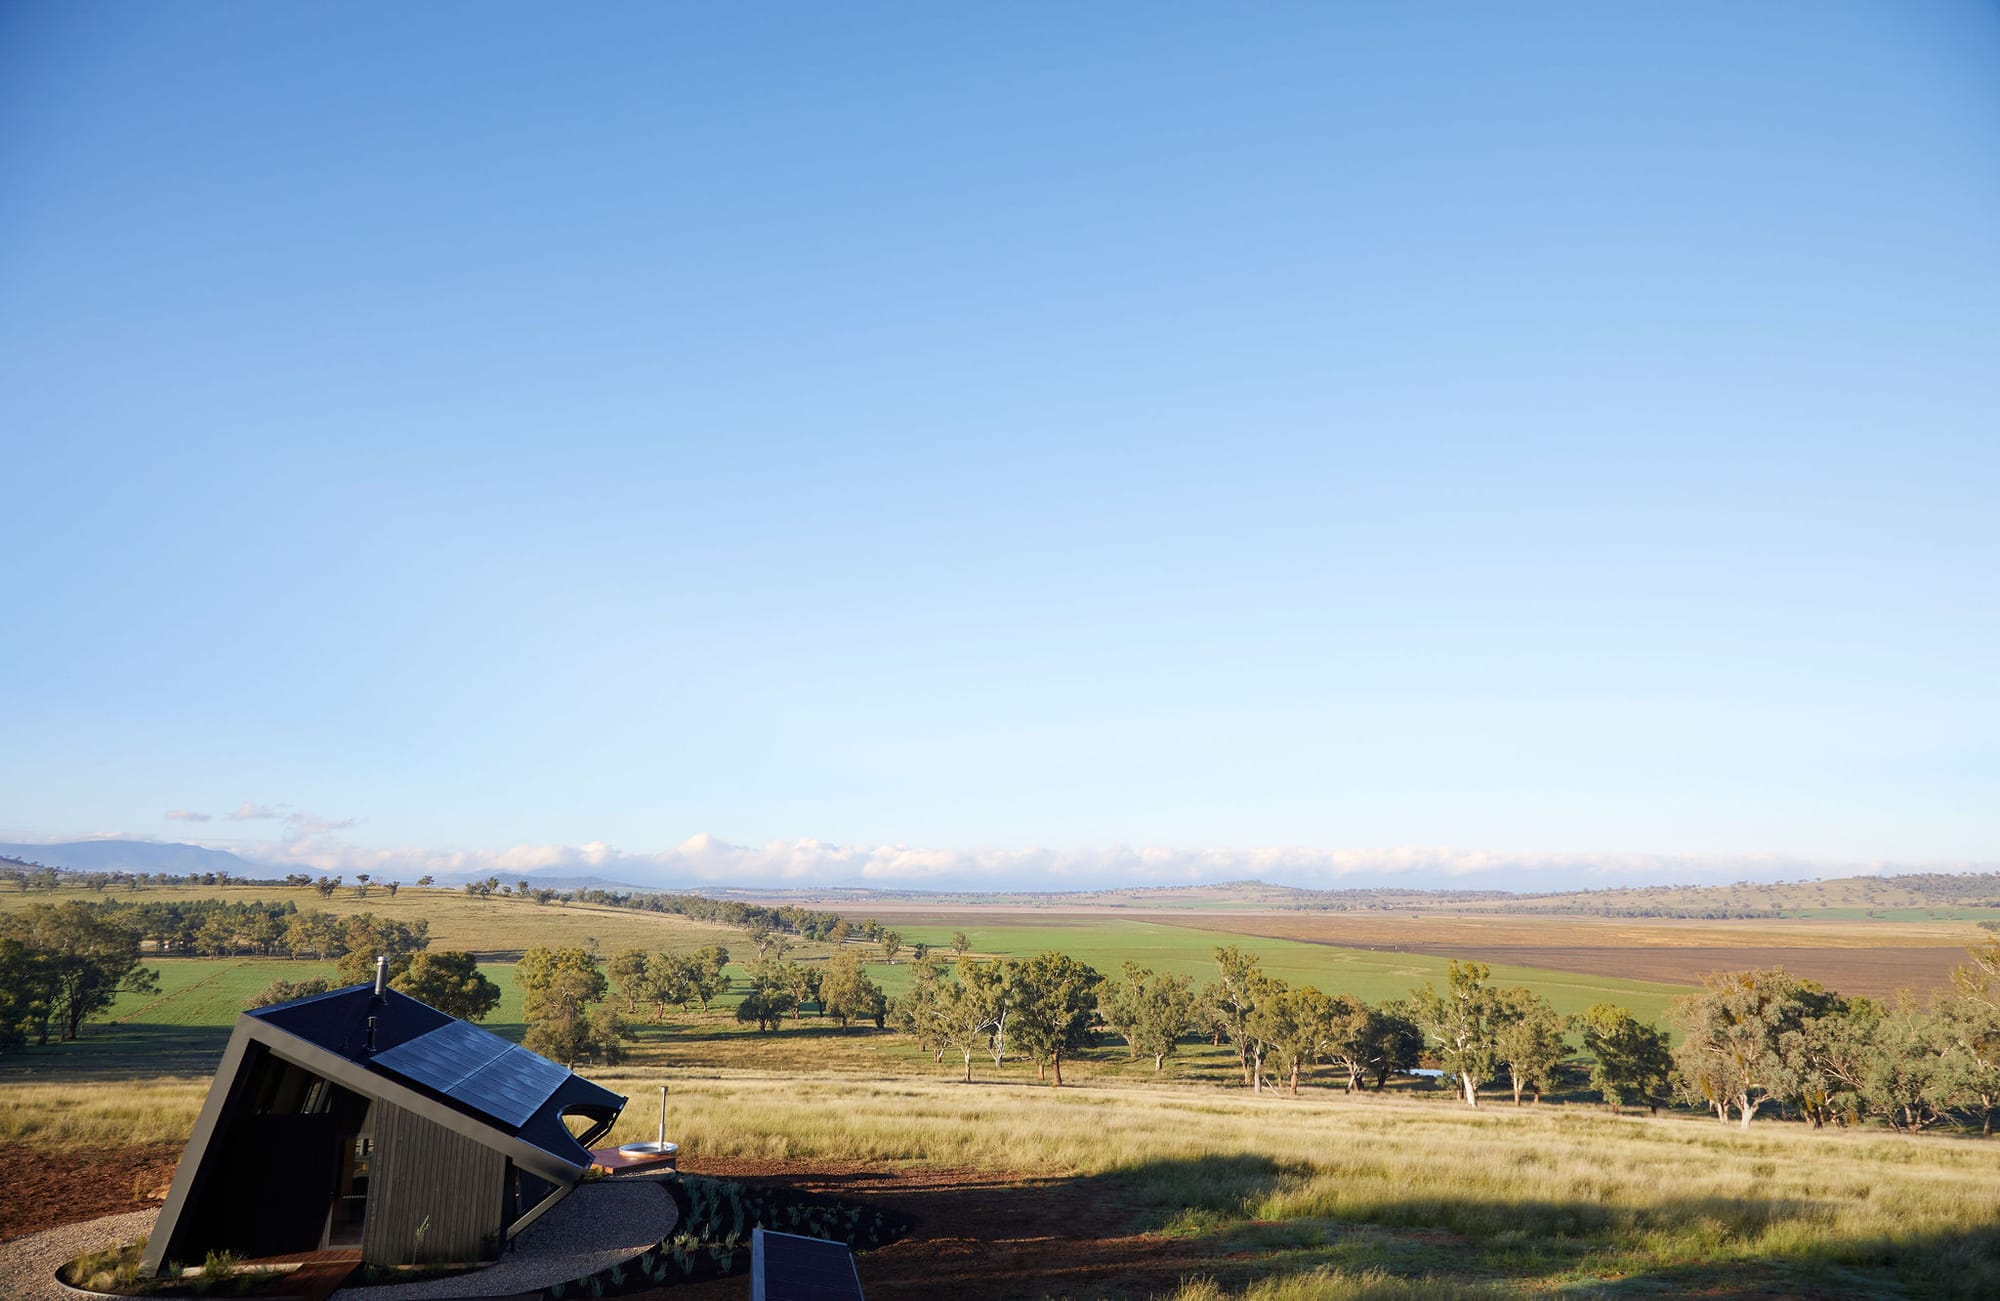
(1538, 428)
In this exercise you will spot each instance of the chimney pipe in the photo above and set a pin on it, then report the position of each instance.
(381, 974)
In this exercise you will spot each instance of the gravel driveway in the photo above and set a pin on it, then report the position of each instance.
(28, 1265)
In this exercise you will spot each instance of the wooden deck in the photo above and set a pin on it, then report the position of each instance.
(319, 1274)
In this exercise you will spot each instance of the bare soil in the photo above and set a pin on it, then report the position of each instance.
(1842, 959)
(46, 1189)
(981, 1233)
(977, 1233)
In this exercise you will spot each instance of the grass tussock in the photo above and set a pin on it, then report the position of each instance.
(1363, 1194)
(72, 1115)
(1329, 1284)
(1331, 1195)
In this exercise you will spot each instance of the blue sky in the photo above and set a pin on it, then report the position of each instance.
(1558, 431)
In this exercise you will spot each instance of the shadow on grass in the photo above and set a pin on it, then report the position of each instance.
(1246, 1221)
(117, 1052)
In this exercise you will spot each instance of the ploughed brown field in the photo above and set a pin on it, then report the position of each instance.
(1875, 959)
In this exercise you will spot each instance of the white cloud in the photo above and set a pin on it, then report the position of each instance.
(707, 860)
(299, 826)
(249, 812)
(186, 815)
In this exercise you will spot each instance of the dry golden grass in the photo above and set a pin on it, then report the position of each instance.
(107, 1114)
(458, 921)
(1547, 1197)
(1328, 1195)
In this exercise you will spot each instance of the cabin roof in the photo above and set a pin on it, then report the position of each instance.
(468, 1068)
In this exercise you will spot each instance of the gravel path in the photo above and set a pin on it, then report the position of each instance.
(593, 1228)
(28, 1265)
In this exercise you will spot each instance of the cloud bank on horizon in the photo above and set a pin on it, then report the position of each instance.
(705, 859)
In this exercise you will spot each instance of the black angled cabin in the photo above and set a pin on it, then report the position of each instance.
(364, 1118)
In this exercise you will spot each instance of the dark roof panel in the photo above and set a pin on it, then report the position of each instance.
(338, 1020)
(512, 1086)
(478, 1069)
(473, 1070)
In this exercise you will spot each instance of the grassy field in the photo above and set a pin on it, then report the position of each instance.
(1331, 1192)
(458, 921)
(1326, 1195)
(1227, 1194)
(182, 1029)
(1189, 947)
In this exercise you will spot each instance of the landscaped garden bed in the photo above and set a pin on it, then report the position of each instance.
(712, 1234)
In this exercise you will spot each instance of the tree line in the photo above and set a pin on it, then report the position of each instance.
(61, 964)
(1745, 1041)
(216, 928)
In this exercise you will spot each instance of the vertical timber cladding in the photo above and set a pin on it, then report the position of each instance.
(425, 1177)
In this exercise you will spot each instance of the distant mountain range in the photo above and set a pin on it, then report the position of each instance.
(1868, 894)
(137, 856)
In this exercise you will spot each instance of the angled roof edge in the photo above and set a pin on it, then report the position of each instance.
(459, 1064)
(358, 1078)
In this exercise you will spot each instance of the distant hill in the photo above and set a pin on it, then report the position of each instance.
(137, 856)
(1914, 892)
(1863, 895)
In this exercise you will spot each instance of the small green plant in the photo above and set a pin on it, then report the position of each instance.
(220, 1266)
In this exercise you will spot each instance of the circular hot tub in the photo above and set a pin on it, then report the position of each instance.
(667, 1154)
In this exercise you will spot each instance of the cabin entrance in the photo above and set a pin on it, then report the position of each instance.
(345, 1218)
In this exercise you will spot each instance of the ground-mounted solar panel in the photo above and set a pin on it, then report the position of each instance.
(787, 1267)
(477, 1068)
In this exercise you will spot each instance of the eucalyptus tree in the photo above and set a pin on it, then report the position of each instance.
(1150, 1010)
(992, 985)
(1970, 1017)
(451, 982)
(1231, 1002)
(1056, 1003)
(1730, 1033)
(1353, 1040)
(561, 989)
(917, 1011)
(847, 994)
(76, 959)
(1633, 1064)
(1297, 1026)
(627, 970)
(1529, 1039)
(1462, 1022)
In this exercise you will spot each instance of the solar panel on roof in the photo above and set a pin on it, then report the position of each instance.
(787, 1267)
(512, 1086)
(478, 1068)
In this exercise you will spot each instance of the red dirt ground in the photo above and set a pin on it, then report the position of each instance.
(46, 1189)
(978, 1234)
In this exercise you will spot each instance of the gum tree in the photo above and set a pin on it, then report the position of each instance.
(1056, 998)
(1462, 1022)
